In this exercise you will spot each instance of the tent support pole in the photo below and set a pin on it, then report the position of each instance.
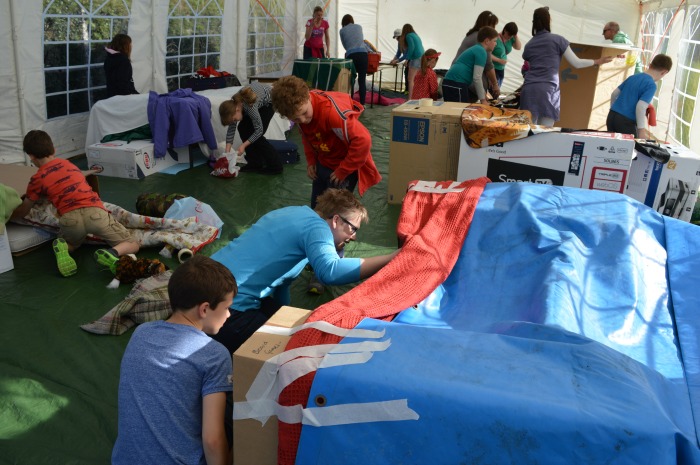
(20, 88)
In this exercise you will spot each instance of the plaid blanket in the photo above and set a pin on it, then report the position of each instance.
(147, 301)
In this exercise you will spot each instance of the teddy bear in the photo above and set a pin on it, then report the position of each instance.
(129, 269)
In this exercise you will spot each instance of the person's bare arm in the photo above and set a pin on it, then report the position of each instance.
(517, 45)
(328, 43)
(22, 211)
(309, 28)
(214, 442)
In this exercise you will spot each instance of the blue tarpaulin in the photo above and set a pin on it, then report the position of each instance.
(567, 332)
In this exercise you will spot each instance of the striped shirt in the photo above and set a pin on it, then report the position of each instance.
(253, 112)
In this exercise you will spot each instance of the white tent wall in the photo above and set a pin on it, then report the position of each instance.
(441, 24)
(149, 20)
(11, 117)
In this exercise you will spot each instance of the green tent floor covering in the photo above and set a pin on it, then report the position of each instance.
(58, 383)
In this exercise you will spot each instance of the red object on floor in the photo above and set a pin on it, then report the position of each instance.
(377, 99)
(651, 115)
(432, 226)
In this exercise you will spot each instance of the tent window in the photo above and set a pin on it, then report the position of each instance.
(194, 39)
(75, 35)
(688, 74)
(655, 40)
(265, 45)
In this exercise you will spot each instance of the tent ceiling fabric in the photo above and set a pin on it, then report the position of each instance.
(441, 24)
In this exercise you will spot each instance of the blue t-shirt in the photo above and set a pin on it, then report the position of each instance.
(166, 371)
(632, 90)
(462, 70)
(272, 253)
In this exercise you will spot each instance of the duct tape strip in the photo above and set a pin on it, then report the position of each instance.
(325, 327)
(299, 367)
(433, 187)
(279, 372)
(345, 414)
(264, 382)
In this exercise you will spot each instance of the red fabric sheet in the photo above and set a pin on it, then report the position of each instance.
(432, 227)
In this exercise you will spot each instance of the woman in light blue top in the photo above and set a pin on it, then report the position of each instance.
(354, 43)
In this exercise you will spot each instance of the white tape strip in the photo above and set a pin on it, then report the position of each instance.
(393, 410)
(346, 414)
(265, 380)
(435, 188)
(324, 327)
(273, 378)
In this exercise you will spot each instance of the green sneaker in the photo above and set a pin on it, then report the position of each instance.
(66, 264)
(105, 258)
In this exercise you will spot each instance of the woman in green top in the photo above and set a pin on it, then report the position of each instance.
(463, 81)
(507, 41)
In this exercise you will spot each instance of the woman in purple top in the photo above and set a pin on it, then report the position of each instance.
(540, 92)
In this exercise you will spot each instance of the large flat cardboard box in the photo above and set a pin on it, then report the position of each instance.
(424, 144)
(132, 160)
(252, 442)
(585, 92)
(589, 160)
(670, 188)
(18, 176)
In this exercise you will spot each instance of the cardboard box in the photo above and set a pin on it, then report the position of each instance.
(133, 160)
(6, 263)
(671, 188)
(18, 176)
(252, 442)
(585, 92)
(589, 160)
(424, 145)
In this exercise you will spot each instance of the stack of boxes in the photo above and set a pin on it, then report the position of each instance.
(427, 144)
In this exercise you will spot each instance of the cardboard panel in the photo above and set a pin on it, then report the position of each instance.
(585, 92)
(252, 442)
(424, 145)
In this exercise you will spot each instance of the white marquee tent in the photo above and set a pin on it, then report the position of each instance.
(51, 49)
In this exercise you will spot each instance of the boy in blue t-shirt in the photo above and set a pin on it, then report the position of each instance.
(174, 377)
(629, 102)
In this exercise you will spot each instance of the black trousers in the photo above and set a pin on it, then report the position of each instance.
(620, 123)
(323, 182)
(361, 61)
(260, 154)
(241, 325)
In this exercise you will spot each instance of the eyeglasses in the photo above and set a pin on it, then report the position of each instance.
(353, 228)
(606, 30)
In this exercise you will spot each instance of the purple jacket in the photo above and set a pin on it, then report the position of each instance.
(178, 119)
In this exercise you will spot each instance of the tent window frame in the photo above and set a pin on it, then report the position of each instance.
(685, 93)
(73, 58)
(193, 40)
(265, 37)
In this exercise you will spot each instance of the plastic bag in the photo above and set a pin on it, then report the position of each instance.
(189, 207)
